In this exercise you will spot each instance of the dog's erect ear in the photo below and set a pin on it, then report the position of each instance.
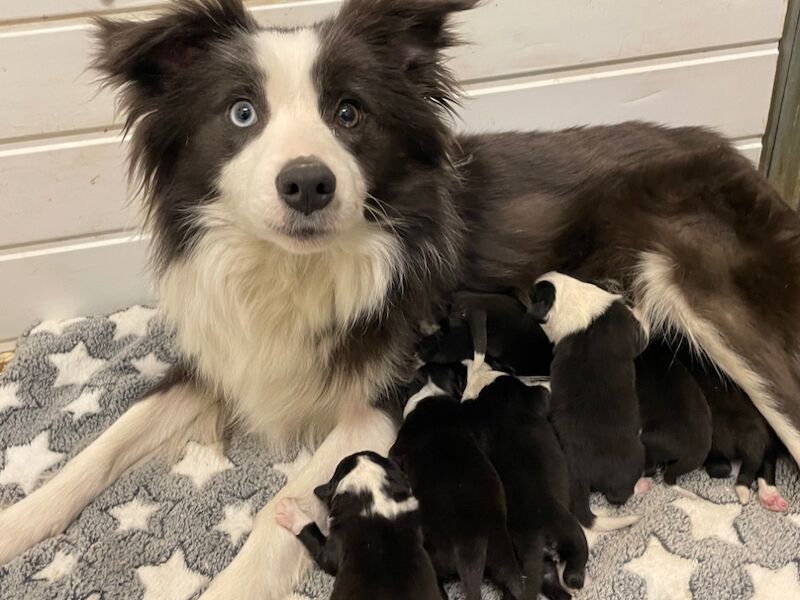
(542, 300)
(415, 30)
(146, 55)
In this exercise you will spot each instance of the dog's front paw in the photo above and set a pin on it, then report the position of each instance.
(290, 516)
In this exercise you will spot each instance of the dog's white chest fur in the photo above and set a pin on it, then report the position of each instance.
(262, 326)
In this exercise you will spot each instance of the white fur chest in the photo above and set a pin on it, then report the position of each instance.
(262, 326)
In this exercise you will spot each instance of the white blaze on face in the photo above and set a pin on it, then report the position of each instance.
(294, 128)
(577, 304)
(368, 476)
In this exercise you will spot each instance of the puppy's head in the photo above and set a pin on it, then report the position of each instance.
(286, 135)
(371, 483)
(565, 305)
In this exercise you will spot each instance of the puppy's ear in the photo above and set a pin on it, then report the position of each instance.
(145, 57)
(325, 493)
(542, 300)
(415, 30)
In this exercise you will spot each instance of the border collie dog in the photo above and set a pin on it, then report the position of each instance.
(594, 408)
(310, 203)
(375, 544)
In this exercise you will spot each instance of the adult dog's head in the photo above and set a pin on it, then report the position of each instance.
(297, 137)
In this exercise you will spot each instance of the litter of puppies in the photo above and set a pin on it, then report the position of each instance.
(522, 406)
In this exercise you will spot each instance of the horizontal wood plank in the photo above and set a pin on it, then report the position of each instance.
(63, 190)
(702, 91)
(42, 67)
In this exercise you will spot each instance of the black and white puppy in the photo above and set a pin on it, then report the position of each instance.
(375, 547)
(676, 420)
(739, 433)
(514, 340)
(509, 419)
(462, 501)
(594, 407)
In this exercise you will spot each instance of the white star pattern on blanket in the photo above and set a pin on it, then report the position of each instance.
(61, 566)
(56, 327)
(200, 463)
(709, 519)
(75, 367)
(172, 580)
(666, 575)
(133, 515)
(24, 465)
(776, 584)
(238, 521)
(88, 403)
(8, 397)
(132, 321)
(150, 366)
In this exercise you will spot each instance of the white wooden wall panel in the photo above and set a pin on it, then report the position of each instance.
(47, 66)
(674, 92)
(532, 64)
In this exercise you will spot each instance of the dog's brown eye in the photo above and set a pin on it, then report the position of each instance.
(348, 115)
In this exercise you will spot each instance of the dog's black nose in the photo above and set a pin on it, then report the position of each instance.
(306, 185)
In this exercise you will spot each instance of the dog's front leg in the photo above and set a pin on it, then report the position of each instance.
(272, 561)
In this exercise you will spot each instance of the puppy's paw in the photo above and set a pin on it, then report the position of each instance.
(770, 498)
(290, 516)
(644, 485)
(743, 493)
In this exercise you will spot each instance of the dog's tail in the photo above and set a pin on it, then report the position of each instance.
(503, 567)
(470, 565)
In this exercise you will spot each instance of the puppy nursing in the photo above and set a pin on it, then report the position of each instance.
(375, 544)
(499, 470)
(595, 410)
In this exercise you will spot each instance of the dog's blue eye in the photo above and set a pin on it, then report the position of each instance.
(243, 114)
(348, 115)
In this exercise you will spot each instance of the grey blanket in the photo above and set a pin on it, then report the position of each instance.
(164, 530)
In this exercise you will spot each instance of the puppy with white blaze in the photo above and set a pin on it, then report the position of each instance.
(594, 408)
(310, 203)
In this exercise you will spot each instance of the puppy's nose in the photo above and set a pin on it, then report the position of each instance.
(306, 184)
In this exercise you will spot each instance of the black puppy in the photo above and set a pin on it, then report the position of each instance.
(594, 407)
(509, 419)
(462, 502)
(739, 433)
(676, 420)
(512, 340)
(375, 547)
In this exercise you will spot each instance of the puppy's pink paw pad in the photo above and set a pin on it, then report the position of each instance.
(286, 513)
(772, 500)
(644, 485)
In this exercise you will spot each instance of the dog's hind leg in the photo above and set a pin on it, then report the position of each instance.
(501, 562)
(470, 565)
(718, 465)
(706, 305)
(272, 561)
(572, 548)
(142, 430)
